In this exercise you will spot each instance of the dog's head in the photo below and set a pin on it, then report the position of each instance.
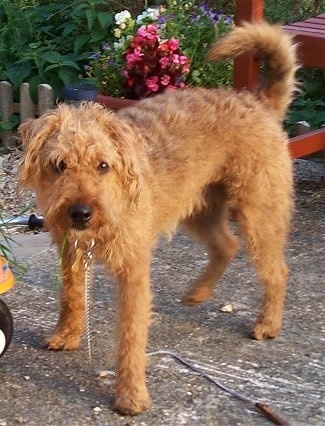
(84, 164)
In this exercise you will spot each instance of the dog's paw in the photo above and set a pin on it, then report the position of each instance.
(263, 331)
(196, 295)
(128, 403)
(59, 342)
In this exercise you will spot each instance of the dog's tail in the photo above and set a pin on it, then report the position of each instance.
(275, 47)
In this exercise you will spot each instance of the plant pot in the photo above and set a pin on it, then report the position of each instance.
(114, 103)
(75, 93)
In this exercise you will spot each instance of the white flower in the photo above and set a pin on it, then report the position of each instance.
(122, 17)
(150, 13)
(117, 33)
(117, 45)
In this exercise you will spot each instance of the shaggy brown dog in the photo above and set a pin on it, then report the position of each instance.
(122, 180)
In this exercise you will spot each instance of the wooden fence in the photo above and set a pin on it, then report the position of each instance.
(25, 108)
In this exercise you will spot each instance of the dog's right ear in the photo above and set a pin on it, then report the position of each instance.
(38, 129)
(25, 131)
(33, 134)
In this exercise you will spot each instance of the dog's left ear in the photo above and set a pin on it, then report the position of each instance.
(132, 165)
(133, 160)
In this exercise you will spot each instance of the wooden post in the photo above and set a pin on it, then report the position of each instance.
(246, 67)
(45, 98)
(27, 107)
(6, 110)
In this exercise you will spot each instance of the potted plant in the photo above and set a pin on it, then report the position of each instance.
(162, 48)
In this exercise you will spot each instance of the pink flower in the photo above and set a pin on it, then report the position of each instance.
(164, 61)
(175, 59)
(173, 43)
(152, 28)
(165, 79)
(149, 32)
(183, 60)
(134, 57)
(152, 65)
(152, 83)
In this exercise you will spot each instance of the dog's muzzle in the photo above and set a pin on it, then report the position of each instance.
(80, 215)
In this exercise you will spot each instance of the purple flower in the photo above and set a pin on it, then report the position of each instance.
(94, 55)
(228, 19)
(194, 19)
(161, 20)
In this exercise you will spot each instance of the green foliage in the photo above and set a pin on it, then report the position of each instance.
(7, 241)
(11, 123)
(310, 105)
(197, 27)
(48, 42)
(287, 11)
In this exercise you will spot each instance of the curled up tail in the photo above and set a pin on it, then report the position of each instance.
(275, 47)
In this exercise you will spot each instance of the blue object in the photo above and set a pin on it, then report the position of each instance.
(79, 92)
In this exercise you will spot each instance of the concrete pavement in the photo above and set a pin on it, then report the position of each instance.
(40, 388)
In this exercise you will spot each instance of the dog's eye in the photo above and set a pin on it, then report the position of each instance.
(103, 167)
(59, 167)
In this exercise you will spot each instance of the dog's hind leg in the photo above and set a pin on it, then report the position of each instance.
(265, 231)
(70, 326)
(210, 226)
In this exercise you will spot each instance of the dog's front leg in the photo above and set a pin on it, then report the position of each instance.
(70, 326)
(132, 396)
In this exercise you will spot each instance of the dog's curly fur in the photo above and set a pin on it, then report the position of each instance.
(123, 179)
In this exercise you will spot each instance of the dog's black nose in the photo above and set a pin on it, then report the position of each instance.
(80, 215)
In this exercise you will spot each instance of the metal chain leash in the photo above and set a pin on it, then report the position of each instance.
(88, 260)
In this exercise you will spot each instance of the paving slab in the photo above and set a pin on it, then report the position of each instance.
(26, 244)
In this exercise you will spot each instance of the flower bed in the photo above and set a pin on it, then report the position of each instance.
(163, 47)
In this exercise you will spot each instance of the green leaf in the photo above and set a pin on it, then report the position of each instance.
(105, 19)
(90, 15)
(33, 45)
(71, 64)
(312, 85)
(80, 41)
(98, 35)
(308, 114)
(17, 73)
(66, 76)
(295, 116)
(69, 29)
(52, 67)
(320, 116)
(13, 122)
(52, 57)
(47, 29)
